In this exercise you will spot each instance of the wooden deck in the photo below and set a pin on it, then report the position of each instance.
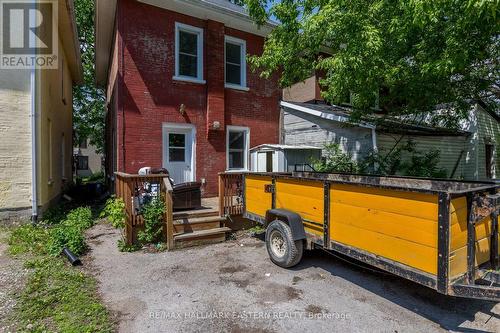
(182, 228)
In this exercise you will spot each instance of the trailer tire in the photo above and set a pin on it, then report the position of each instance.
(282, 249)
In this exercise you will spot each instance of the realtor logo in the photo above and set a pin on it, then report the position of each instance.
(28, 34)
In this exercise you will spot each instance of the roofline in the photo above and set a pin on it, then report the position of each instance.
(283, 147)
(383, 128)
(77, 71)
(324, 115)
(488, 110)
(105, 19)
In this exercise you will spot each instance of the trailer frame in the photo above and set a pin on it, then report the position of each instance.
(471, 284)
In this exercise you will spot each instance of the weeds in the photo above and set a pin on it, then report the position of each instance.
(57, 296)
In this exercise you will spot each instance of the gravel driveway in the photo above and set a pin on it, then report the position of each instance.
(233, 287)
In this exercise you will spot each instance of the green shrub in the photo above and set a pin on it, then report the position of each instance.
(80, 218)
(335, 160)
(153, 221)
(55, 215)
(64, 236)
(70, 232)
(114, 211)
(417, 163)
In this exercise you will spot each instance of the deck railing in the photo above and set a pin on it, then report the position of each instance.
(230, 193)
(129, 187)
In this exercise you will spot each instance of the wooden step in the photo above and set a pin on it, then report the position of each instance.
(215, 235)
(196, 213)
(198, 223)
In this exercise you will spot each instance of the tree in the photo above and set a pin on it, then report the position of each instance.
(88, 100)
(414, 54)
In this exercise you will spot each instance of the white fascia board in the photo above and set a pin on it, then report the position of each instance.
(329, 116)
(210, 11)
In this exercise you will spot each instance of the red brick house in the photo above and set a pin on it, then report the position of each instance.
(179, 90)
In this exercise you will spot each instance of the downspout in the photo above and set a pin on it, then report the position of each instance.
(34, 149)
(34, 143)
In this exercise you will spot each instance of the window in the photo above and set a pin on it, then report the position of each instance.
(237, 147)
(176, 147)
(82, 163)
(235, 53)
(188, 53)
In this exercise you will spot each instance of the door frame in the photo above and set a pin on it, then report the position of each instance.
(192, 130)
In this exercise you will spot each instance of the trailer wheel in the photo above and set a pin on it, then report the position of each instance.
(281, 247)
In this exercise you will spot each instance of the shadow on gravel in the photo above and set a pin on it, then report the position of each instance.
(449, 312)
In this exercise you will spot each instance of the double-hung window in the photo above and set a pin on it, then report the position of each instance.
(237, 147)
(188, 53)
(235, 63)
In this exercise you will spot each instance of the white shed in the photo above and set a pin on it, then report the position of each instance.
(282, 158)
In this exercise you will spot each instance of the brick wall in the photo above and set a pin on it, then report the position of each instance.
(148, 96)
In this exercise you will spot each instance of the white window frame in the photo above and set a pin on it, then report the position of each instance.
(243, 68)
(246, 154)
(199, 68)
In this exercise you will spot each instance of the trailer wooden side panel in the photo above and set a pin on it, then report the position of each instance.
(257, 201)
(458, 238)
(397, 225)
(305, 198)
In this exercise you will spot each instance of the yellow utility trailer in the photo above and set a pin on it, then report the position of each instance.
(442, 234)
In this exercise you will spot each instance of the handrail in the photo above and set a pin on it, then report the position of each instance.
(169, 213)
(127, 187)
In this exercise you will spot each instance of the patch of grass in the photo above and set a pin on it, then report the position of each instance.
(257, 229)
(60, 298)
(28, 239)
(57, 296)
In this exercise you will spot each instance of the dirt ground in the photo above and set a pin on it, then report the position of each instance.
(233, 287)
(12, 280)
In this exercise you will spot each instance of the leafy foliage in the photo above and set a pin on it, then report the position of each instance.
(153, 221)
(405, 159)
(50, 237)
(88, 100)
(114, 211)
(70, 232)
(335, 160)
(416, 54)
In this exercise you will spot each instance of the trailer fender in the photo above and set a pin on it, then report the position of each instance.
(293, 220)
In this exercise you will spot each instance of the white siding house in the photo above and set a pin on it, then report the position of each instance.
(468, 154)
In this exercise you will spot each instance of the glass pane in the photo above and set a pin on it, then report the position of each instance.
(188, 42)
(188, 65)
(176, 154)
(233, 74)
(236, 140)
(177, 140)
(236, 160)
(233, 53)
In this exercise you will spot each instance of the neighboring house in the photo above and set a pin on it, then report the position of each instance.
(87, 160)
(179, 89)
(471, 153)
(36, 127)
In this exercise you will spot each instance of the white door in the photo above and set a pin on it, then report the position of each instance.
(178, 153)
(261, 161)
